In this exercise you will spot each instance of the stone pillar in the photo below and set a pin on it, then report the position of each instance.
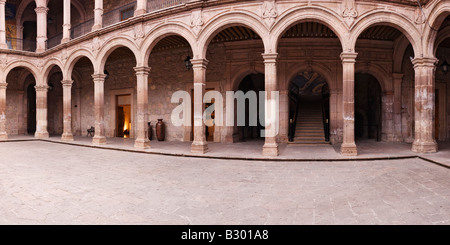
(41, 38)
(270, 147)
(387, 123)
(98, 12)
(284, 116)
(3, 134)
(141, 7)
(41, 112)
(2, 25)
(66, 24)
(142, 140)
(397, 78)
(67, 110)
(348, 147)
(424, 141)
(199, 145)
(99, 107)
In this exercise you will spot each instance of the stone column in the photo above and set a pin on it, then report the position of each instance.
(387, 123)
(67, 110)
(41, 112)
(270, 147)
(141, 7)
(2, 25)
(66, 25)
(41, 38)
(348, 147)
(199, 145)
(142, 140)
(3, 134)
(397, 78)
(424, 141)
(98, 12)
(99, 107)
(284, 116)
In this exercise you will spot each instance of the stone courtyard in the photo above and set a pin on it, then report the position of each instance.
(53, 183)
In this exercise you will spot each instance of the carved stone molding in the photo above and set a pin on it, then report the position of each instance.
(350, 13)
(196, 22)
(269, 12)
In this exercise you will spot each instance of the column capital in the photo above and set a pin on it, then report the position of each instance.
(43, 88)
(99, 77)
(199, 63)
(67, 82)
(347, 57)
(270, 58)
(41, 9)
(430, 62)
(3, 85)
(2, 1)
(142, 70)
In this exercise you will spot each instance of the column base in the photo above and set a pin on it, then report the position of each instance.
(3, 136)
(425, 147)
(270, 150)
(65, 40)
(199, 147)
(142, 144)
(41, 135)
(99, 140)
(349, 149)
(40, 50)
(139, 12)
(96, 27)
(67, 137)
(3, 46)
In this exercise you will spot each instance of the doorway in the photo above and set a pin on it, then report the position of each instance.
(31, 108)
(367, 107)
(123, 116)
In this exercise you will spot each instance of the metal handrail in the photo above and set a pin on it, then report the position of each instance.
(21, 44)
(154, 5)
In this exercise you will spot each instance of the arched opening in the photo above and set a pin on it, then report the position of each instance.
(442, 83)
(311, 112)
(234, 52)
(170, 72)
(120, 96)
(383, 118)
(309, 109)
(251, 131)
(55, 102)
(83, 97)
(367, 107)
(26, 37)
(20, 102)
(55, 21)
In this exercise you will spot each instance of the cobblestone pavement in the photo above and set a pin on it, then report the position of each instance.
(49, 183)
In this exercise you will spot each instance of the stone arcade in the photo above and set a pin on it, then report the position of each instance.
(357, 68)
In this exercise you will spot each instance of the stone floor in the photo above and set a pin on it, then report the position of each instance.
(52, 183)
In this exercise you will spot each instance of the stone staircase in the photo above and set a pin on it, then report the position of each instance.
(309, 129)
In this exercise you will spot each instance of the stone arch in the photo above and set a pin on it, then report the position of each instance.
(109, 47)
(303, 14)
(399, 53)
(443, 34)
(438, 13)
(225, 20)
(378, 73)
(392, 19)
(48, 67)
(243, 72)
(73, 59)
(25, 64)
(321, 69)
(164, 31)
